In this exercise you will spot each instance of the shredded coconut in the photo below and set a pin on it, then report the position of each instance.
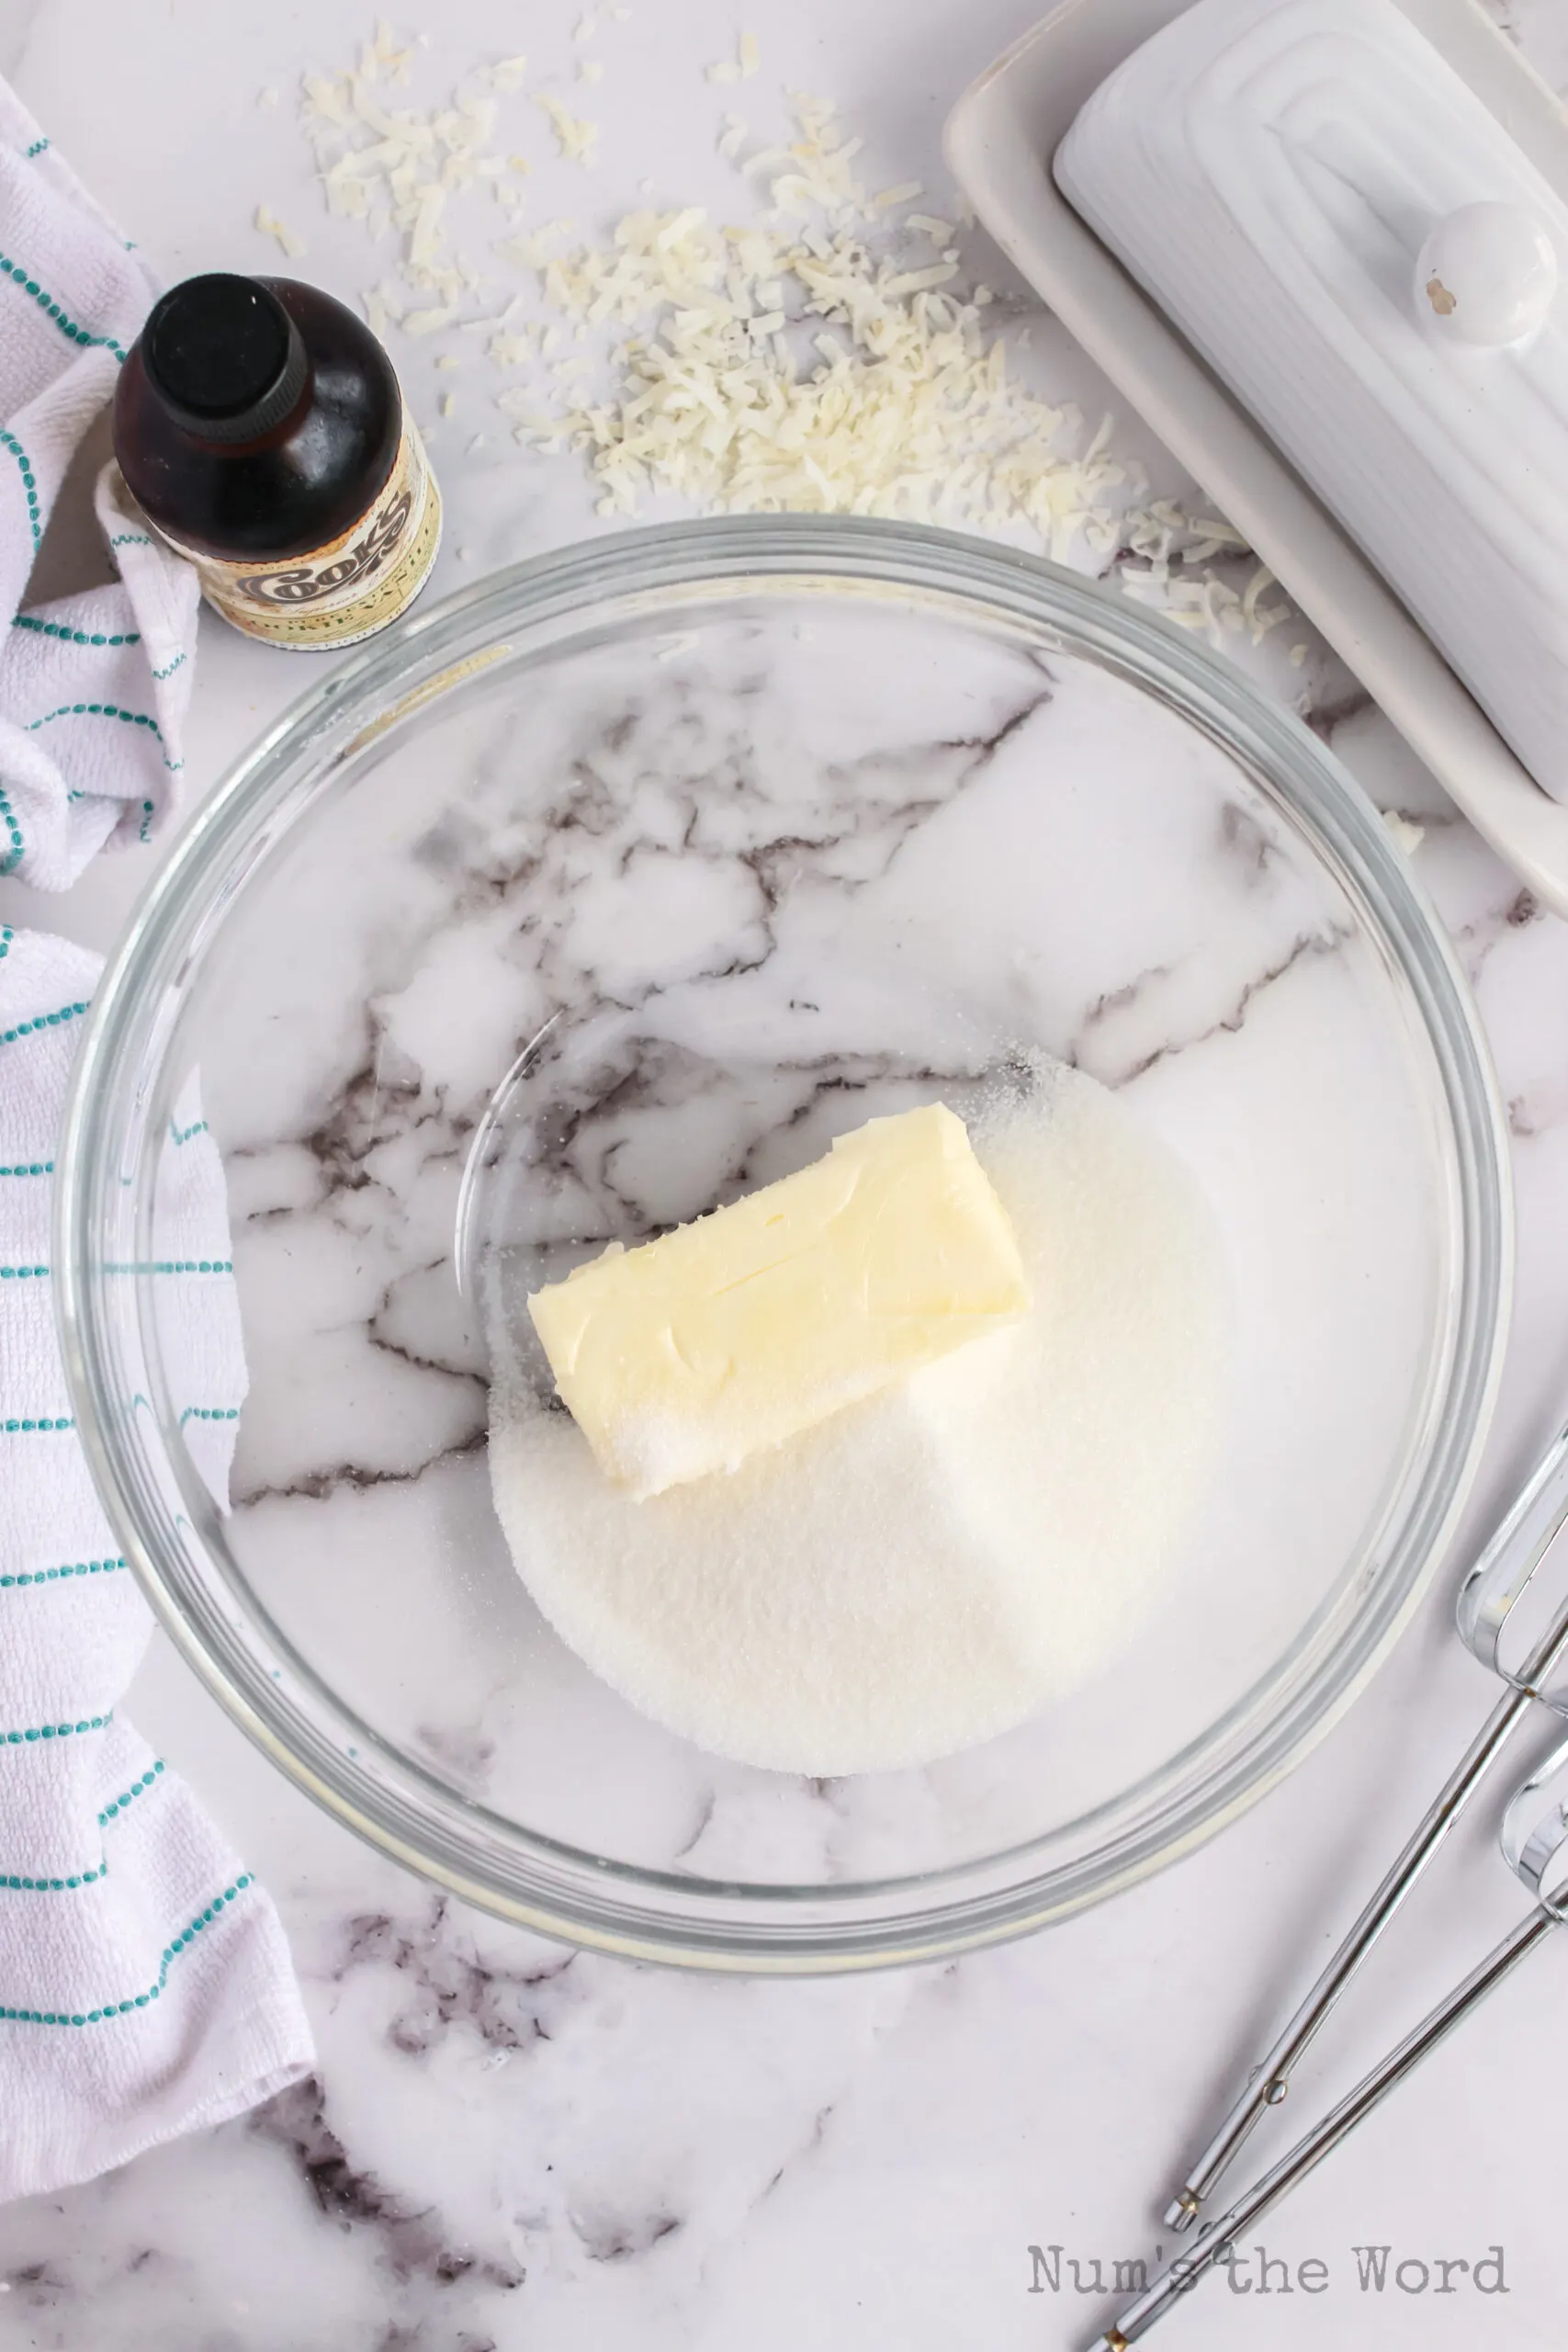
(575, 139)
(818, 358)
(270, 225)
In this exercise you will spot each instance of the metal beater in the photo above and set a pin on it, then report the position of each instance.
(1491, 1612)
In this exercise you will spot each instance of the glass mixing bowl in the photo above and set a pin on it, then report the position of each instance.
(671, 856)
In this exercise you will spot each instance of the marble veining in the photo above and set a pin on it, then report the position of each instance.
(672, 865)
(648, 928)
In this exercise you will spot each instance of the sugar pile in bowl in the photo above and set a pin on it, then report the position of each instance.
(930, 1567)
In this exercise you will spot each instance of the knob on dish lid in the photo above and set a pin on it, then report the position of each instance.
(1486, 274)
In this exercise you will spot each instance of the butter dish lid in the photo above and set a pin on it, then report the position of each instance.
(1357, 247)
(1293, 176)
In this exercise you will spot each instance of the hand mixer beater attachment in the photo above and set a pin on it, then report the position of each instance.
(1500, 1611)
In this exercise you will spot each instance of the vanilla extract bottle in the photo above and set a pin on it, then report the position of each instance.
(261, 429)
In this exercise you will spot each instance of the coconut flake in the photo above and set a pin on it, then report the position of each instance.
(270, 225)
(575, 139)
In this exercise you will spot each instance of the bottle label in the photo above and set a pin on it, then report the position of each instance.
(351, 587)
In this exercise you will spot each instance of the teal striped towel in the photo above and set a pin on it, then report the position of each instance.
(93, 686)
(145, 1985)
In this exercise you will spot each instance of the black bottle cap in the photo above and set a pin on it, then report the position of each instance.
(225, 357)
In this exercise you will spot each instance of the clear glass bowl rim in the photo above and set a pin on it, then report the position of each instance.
(383, 1795)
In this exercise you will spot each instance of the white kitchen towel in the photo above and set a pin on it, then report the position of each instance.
(92, 687)
(145, 1986)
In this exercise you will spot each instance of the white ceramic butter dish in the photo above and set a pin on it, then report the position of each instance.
(1318, 144)
(1359, 249)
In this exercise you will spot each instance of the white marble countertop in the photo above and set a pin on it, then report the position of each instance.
(510, 2145)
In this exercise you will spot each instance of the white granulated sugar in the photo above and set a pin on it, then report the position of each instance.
(930, 1567)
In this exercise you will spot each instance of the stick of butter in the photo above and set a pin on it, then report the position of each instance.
(687, 1354)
